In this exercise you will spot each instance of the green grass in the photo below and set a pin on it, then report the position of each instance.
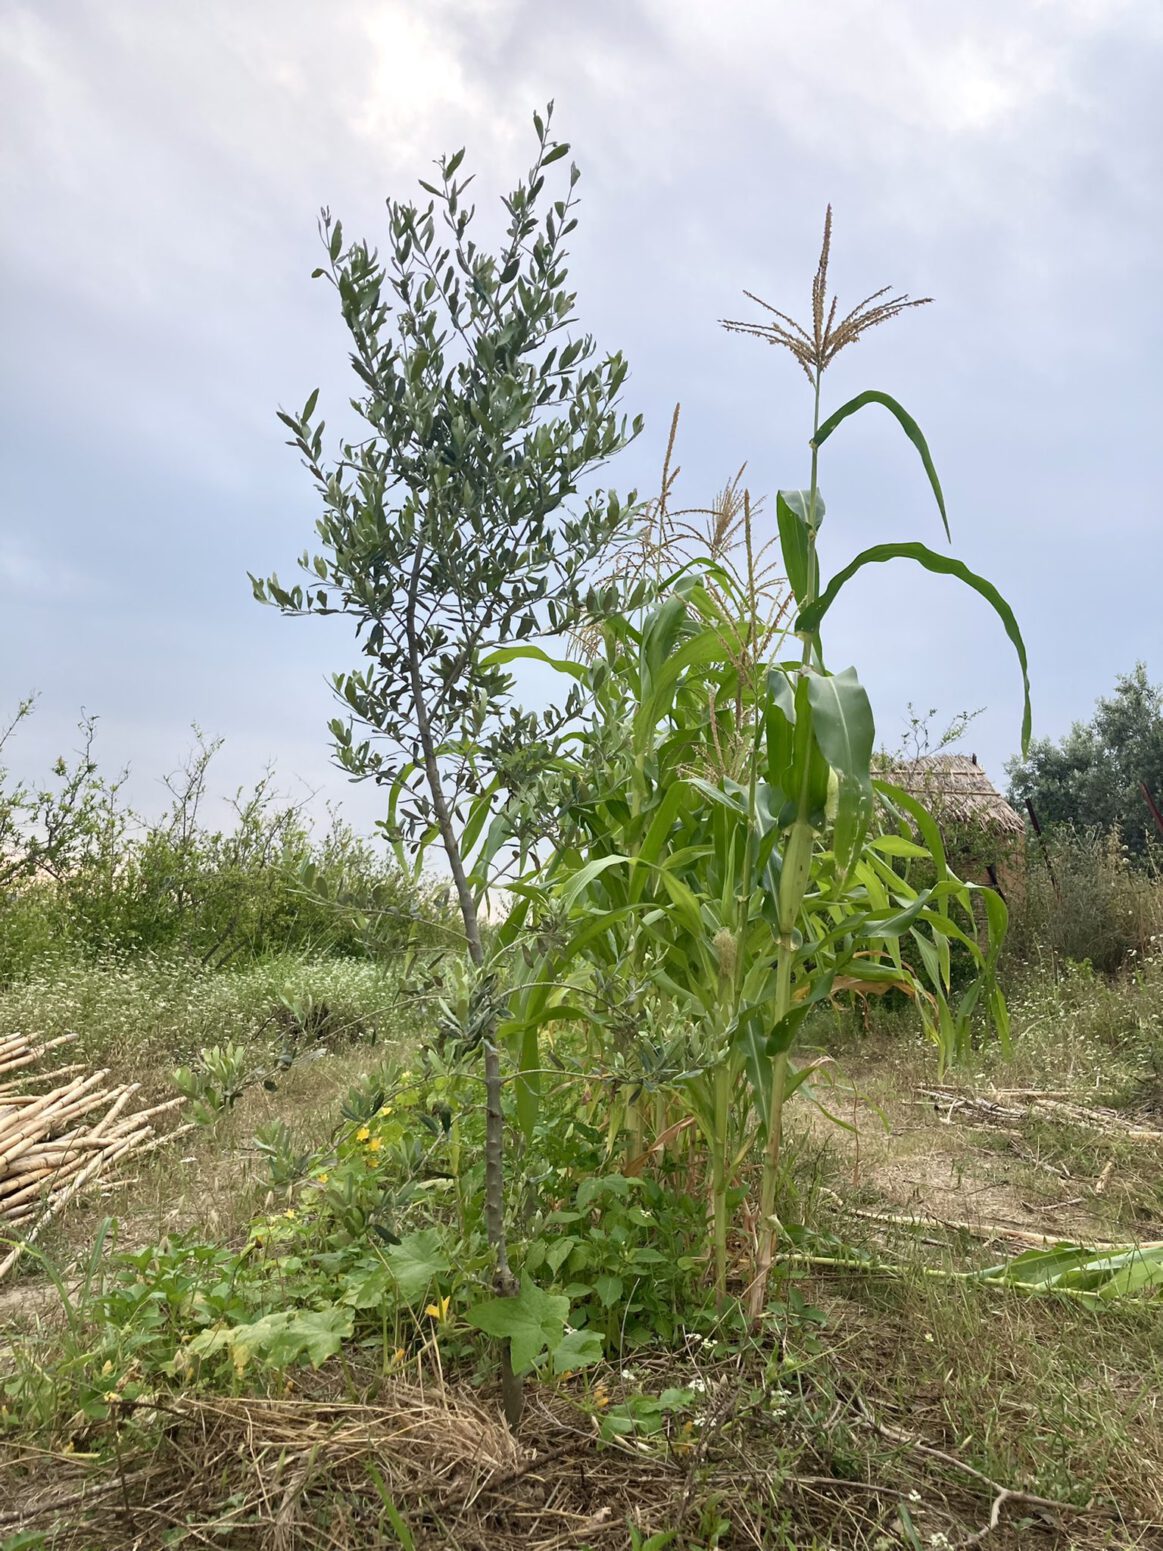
(144, 1015)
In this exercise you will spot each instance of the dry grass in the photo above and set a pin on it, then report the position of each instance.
(829, 1457)
(214, 1178)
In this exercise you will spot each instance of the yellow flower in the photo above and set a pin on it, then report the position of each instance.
(601, 1397)
(438, 1311)
(323, 1178)
(399, 1354)
(375, 1144)
(290, 1212)
(111, 1397)
(385, 1109)
(362, 1134)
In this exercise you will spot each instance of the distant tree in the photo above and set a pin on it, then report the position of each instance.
(49, 831)
(444, 534)
(1093, 778)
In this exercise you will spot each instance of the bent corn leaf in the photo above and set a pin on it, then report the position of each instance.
(907, 424)
(809, 620)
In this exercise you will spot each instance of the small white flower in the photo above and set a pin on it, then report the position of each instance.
(699, 1385)
(628, 1375)
(914, 1496)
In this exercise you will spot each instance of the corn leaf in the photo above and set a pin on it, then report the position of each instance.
(907, 424)
(944, 565)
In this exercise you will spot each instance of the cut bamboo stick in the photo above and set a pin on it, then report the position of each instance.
(17, 1052)
(24, 1136)
(1106, 1121)
(55, 1142)
(54, 1100)
(54, 1208)
(9, 1087)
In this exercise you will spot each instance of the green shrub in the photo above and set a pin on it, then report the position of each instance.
(267, 883)
(1085, 903)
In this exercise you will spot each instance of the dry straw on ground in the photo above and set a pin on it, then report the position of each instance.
(436, 1467)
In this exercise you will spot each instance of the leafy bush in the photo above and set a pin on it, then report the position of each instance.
(1089, 905)
(83, 877)
(1094, 778)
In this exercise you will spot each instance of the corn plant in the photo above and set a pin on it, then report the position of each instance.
(739, 904)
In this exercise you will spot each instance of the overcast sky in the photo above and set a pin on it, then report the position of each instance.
(163, 165)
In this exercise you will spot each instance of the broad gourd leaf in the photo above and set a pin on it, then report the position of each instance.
(279, 1339)
(369, 1288)
(531, 1322)
(416, 1261)
(315, 1334)
(599, 1185)
(578, 1349)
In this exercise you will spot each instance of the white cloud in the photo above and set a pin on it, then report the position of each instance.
(28, 574)
(163, 166)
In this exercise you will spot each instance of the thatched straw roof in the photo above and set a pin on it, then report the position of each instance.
(955, 789)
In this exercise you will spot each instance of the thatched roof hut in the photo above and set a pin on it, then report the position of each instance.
(983, 831)
(957, 791)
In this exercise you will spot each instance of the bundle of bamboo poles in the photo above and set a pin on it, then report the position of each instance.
(59, 1130)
